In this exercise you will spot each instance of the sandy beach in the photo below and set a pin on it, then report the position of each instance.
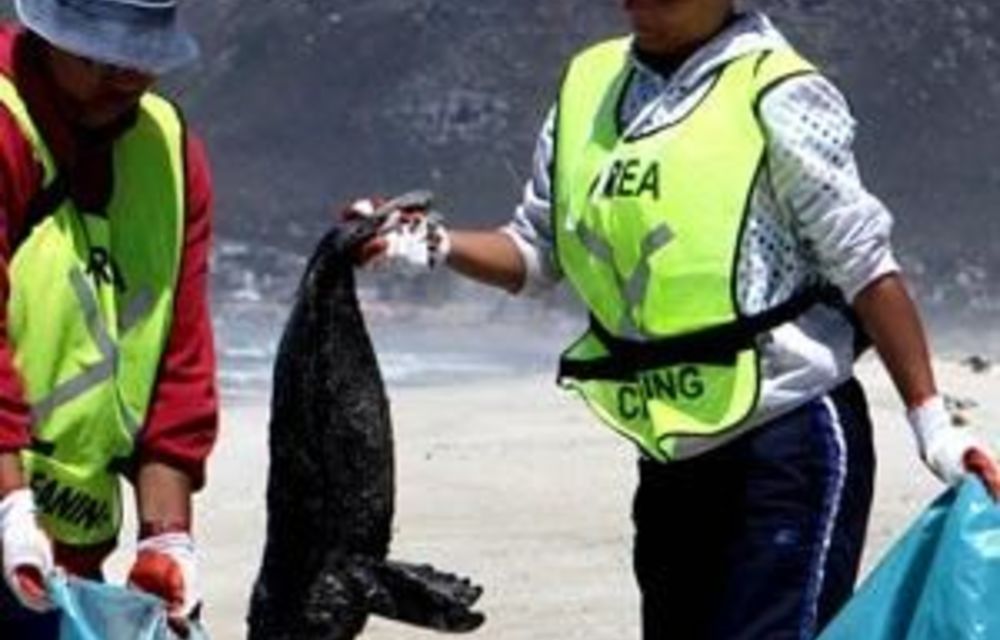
(511, 482)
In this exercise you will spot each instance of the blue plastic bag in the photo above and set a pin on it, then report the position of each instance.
(941, 581)
(96, 611)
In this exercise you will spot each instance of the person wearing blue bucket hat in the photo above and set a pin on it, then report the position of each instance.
(135, 34)
(107, 367)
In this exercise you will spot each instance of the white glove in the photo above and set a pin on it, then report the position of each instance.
(942, 446)
(414, 245)
(25, 546)
(166, 565)
(411, 239)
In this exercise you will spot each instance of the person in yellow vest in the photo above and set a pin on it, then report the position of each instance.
(106, 360)
(696, 186)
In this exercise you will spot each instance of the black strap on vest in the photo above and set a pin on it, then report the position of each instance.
(43, 447)
(718, 345)
(43, 204)
(122, 466)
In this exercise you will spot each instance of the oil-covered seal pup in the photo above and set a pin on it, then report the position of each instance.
(331, 479)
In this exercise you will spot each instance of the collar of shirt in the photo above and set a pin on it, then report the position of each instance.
(661, 94)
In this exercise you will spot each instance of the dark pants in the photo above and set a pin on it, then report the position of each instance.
(18, 623)
(760, 539)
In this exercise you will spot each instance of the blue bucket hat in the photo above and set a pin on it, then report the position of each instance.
(137, 34)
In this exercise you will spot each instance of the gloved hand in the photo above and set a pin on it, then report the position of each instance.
(166, 566)
(951, 452)
(27, 551)
(411, 237)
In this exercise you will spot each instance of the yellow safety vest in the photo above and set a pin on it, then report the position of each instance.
(89, 313)
(648, 231)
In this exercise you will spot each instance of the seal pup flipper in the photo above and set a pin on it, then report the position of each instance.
(421, 595)
(348, 588)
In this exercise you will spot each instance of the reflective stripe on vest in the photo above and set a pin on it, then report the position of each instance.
(89, 314)
(648, 230)
(631, 288)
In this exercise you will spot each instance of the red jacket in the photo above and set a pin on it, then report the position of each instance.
(182, 423)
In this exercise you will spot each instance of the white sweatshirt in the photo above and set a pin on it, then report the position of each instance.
(811, 220)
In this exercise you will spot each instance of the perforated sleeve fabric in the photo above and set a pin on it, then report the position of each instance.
(842, 228)
(531, 228)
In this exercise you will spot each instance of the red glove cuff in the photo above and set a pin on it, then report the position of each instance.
(150, 528)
